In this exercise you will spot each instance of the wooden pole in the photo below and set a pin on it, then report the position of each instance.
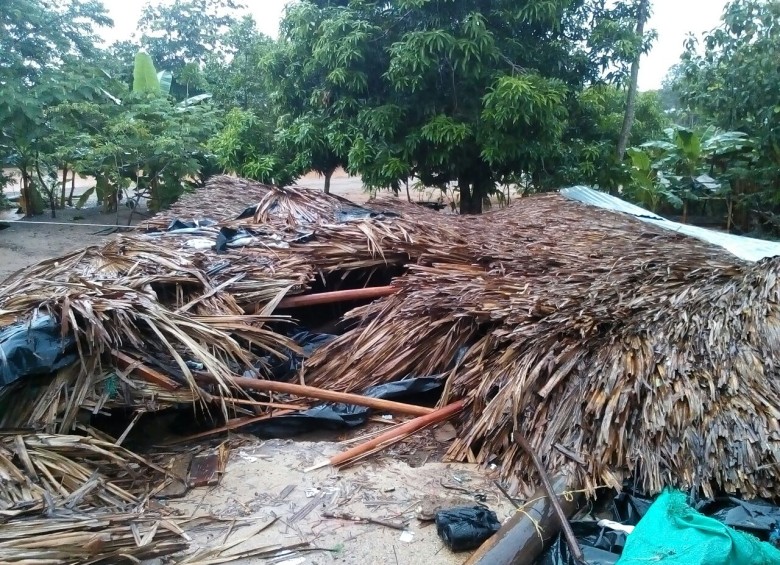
(261, 385)
(524, 536)
(392, 436)
(336, 296)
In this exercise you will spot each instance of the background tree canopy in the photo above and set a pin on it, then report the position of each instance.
(480, 99)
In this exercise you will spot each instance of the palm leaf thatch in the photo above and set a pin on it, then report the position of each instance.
(72, 499)
(615, 348)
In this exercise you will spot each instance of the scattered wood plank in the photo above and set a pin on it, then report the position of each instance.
(207, 468)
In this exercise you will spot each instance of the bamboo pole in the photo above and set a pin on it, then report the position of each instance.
(392, 436)
(524, 536)
(261, 385)
(336, 296)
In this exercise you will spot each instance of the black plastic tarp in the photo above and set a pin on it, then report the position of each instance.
(342, 416)
(34, 348)
(283, 369)
(465, 527)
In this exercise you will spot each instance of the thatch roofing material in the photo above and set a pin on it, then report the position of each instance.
(615, 347)
(602, 340)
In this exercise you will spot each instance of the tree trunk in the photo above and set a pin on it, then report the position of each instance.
(328, 174)
(642, 13)
(25, 199)
(72, 188)
(64, 184)
(50, 190)
(408, 196)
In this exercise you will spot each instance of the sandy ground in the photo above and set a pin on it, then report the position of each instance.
(252, 494)
(25, 242)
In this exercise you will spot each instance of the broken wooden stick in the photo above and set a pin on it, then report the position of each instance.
(127, 363)
(261, 385)
(336, 296)
(395, 435)
(574, 546)
(395, 524)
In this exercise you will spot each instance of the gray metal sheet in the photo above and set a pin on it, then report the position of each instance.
(747, 248)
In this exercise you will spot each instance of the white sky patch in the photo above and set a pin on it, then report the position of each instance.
(672, 19)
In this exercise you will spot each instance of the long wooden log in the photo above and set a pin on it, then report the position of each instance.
(336, 296)
(261, 385)
(524, 536)
(391, 436)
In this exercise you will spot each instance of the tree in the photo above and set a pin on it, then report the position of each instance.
(642, 15)
(239, 80)
(735, 85)
(460, 92)
(182, 35)
(40, 44)
(145, 141)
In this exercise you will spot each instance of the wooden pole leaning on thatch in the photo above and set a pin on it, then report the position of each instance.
(524, 536)
(395, 435)
(320, 394)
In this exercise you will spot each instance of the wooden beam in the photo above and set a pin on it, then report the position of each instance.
(336, 296)
(304, 391)
(397, 434)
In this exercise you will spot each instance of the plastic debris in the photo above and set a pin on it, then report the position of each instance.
(466, 527)
(34, 348)
(341, 416)
(673, 533)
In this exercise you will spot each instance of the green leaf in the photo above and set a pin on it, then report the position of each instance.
(145, 75)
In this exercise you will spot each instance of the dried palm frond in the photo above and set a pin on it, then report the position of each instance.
(642, 352)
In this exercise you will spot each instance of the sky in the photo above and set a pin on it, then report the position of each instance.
(672, 20)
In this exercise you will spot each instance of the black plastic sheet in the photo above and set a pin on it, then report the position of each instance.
(284, 369)
(34, 348)
(185, 225)
(757, 517)
(600, 546)
(343, 416)
(240, 237)
(466, 527)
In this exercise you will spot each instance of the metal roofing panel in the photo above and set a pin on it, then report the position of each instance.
(747, 248)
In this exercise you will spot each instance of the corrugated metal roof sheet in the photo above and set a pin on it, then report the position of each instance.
(747, 248)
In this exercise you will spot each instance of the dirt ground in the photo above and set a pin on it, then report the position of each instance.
(266, 482)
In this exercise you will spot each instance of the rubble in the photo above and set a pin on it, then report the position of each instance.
(616, 349)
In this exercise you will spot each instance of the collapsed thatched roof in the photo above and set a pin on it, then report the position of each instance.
(615, 347)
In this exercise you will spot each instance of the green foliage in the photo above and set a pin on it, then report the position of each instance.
(183, 35)
(245, 146)
(734, 84)
(687, 165)
(45, 48)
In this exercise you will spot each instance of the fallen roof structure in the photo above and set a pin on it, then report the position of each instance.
(618, 349)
